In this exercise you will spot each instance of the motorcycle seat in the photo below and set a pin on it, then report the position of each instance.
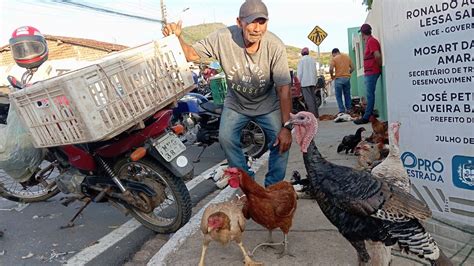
(212, 107)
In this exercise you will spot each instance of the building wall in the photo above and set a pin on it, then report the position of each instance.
(62, 57)
(454, 236)
(58, 51)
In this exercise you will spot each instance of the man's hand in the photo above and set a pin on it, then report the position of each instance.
(284, 140)
(171, 28)
(176, 29)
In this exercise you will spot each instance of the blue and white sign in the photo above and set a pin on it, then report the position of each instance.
(428, 53)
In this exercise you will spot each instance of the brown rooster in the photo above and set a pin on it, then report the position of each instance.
(272, 207)
(224, 222)
(363, 206)
(379, 129)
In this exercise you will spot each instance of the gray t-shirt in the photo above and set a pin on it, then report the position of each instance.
(251, 78)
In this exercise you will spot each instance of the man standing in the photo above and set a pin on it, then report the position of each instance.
(342, 79)
(307, 75)
(258, 78)
(372, 70)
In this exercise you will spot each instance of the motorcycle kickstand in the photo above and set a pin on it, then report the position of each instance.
(198, 159)
(71, 222)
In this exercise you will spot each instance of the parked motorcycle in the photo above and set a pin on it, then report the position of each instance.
(140, 170)
(200, 118)
(297, 99)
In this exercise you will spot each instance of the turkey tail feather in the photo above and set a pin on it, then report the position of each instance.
(413, 238)
(404, 204)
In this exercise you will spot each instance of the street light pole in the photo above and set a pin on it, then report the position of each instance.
(163, 12)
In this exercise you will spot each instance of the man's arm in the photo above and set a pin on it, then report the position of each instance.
(331, 71)
(175, 28)
(378, 58)
(284, 137)
(351, 67)
(299, 70)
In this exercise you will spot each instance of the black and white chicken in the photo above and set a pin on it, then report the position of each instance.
(349, 142)
(362, 206)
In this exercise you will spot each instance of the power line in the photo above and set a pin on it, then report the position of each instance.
(103, 10)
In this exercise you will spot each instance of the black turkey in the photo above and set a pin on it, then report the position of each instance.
(362, 206)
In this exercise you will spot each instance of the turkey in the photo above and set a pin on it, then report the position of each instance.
(362, 206)
(349, 142)
(390, 170)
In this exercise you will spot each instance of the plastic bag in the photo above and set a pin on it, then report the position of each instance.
(18, 157)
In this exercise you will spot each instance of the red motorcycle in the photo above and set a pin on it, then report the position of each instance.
(140, 170)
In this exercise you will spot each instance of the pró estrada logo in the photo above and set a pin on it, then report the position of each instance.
(463, 172)
(429, 170)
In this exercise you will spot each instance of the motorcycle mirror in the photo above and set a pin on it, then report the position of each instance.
(14, 82)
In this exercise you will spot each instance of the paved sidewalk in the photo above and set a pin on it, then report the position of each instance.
(313, 239)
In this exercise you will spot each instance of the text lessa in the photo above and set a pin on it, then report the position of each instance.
(429, 15)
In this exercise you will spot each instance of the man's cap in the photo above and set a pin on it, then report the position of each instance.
(365, 28)
(253, 9)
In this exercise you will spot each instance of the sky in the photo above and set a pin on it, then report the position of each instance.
(291, 20)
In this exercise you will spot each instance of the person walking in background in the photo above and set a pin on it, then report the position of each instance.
(258, 81)
(372, 70)
(342, 64)
(306, 73)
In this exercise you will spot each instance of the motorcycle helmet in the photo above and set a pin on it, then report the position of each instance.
(28, 47)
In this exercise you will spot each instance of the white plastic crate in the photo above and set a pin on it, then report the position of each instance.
(102, 100)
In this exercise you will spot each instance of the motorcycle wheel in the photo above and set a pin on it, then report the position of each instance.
(40, 187)
(173, 202)
(253, 140)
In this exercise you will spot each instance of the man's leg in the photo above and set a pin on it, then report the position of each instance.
(271, 124)
(310, 99)
(371, 84)
(339, 88)
(347, 94)
(230, 127)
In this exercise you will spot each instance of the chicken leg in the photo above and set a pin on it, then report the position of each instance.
(205, 244)
(285, 251)
(247, 259)
(269, 243)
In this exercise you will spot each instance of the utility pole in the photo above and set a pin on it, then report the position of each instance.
(163, 12)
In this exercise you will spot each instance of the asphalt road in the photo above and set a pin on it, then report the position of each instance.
(33, 235)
